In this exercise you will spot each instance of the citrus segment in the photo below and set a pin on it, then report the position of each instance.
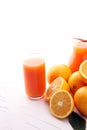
(58, 70)
(61, 104)
(80, 100)
(58, 83)
(75, 81)
(83, 70)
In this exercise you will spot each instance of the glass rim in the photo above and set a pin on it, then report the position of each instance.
(80, 43)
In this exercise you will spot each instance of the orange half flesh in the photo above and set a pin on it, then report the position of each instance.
(61, 104)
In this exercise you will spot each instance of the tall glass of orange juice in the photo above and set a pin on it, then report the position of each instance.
(79, 54)
(34, 75)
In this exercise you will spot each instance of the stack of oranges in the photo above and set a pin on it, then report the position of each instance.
(67, 90)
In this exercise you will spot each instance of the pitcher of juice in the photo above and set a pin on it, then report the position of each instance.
(34, 75)
(79, 54)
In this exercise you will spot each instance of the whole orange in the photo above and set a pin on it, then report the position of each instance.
(58, 70)
(75, 81)
(80, 100)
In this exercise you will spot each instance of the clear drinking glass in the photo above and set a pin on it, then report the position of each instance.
(35, 74)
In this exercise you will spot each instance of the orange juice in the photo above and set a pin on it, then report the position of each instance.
(79, 54)
(34, 76)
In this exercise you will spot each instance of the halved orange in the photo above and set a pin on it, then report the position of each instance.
(61, 104)
(83, 70)
(58, 83)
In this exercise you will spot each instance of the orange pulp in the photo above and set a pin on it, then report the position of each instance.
(34, 76)
(79, 55)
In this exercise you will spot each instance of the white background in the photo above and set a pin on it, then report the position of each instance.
(30, 23)
(27, 24)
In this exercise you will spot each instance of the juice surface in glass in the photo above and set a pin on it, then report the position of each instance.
(79, 54)
(34, 76)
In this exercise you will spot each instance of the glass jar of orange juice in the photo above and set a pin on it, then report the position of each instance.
(34, 75)
(79, 54)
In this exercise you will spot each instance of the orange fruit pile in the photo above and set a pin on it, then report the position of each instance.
(66, 90)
